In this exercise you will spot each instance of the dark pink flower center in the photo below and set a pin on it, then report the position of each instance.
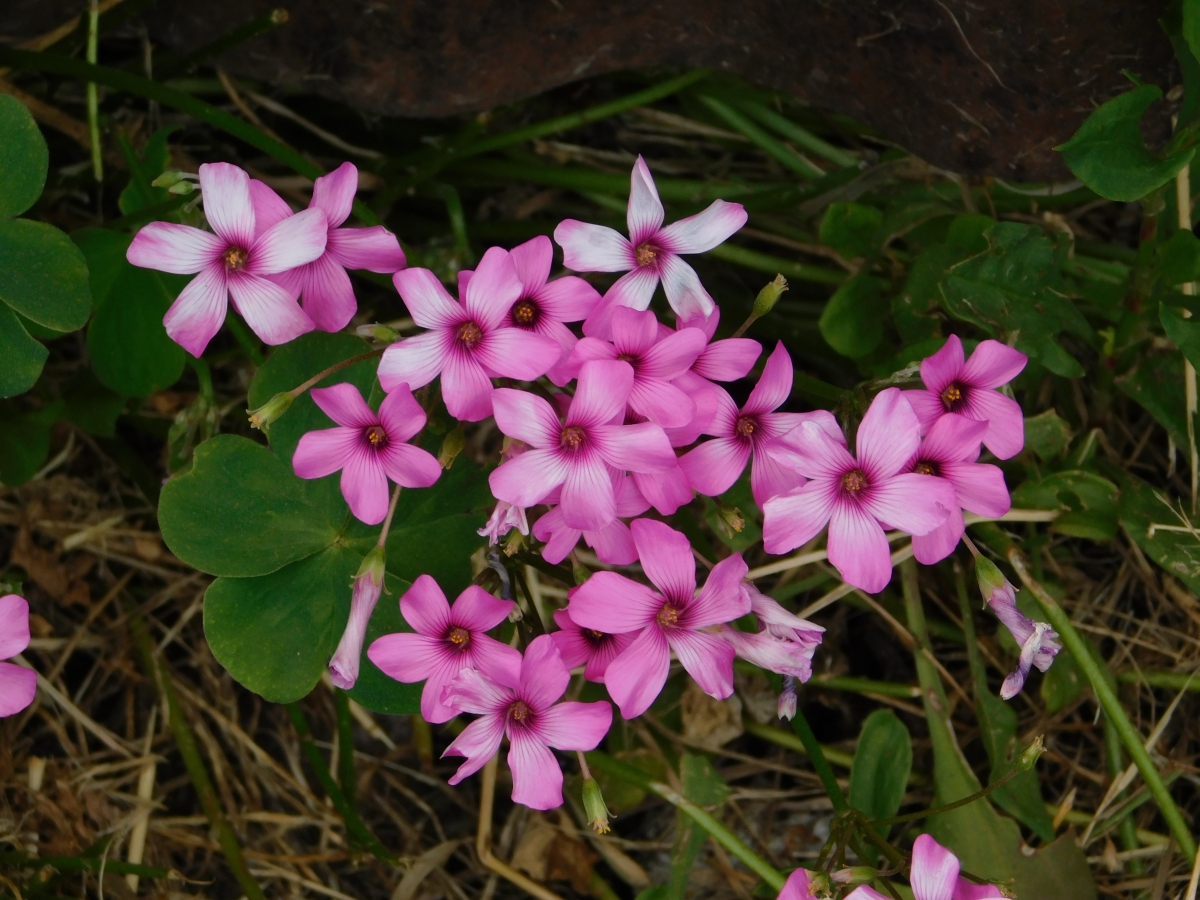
(573, 438)
(854, 481)
(668, 616)
(458, 638)
(926, 467)
(745, 428)
(376, 437)
(519, 713)
(235, 258)
(526, 314)
(646, 254)
(954, 397)
(470, 334)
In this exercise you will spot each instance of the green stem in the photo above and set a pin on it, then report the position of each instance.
(224, 44)
(336, 367)
(789, 740)
(345, 723)
(722, 835)
(764, 262)
(773, 148)
(82, 864)
(1127, 828)
(93, 93)
(816, 754)
(204, 376)
(937, 810)
(192, 761)
(801, 136)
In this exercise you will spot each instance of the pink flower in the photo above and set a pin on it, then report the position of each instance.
(671, 620)
(613, 543)
(934, 876)
(949, 452)
(368, 448)
(447, 641)
(656, 362)
(545, 305)
(368, 585)
(524, 709)
(785, 645)
(17, 684)
(1037, 640)
(858, 498)
(728, 359)
(969, 389)
(468, 343)
(323, 285)
(587, 647)
(580, 454)
(233, 262)
(504, 518)
(715, 465)
(651, 253)
(797, 886)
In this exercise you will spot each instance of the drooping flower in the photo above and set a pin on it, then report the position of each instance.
(18, 685)
(524, 708)
(656, 362)
(581, 453)
(468, 343)
(586, 646)
(368, 448)
(752, 433)
(933, 876)
(504, 518)
(785, 645)
(613, 543)
(368, 585)
(544, 306)
(1037, 640)
(673, 620)
(323, 285)
(231, 263)
(858, 497)
(949, 452)
(448, 639)
(969, 389)
(651, 253)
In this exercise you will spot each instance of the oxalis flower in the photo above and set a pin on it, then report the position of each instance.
(969, 389)
(650, 254)
(447, 640)
(581, 453)
(785, 645)
(523, 708)
(368, 585)
(1037, 640)
(858, 498)
(613, 543)
(751, 433)
(673, 620)
(323, 285)
(367, 447)
(232, 263)
(933, 876)
(587, 647)
(18, 685)
(949, 452)
(728, 359)
(468, 343)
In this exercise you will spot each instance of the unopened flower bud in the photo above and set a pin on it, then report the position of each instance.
(769, 296)
(182, 188)
(855, 875)
(368, 584)
(262, 417)
(992, 583)
(168, 179)
(381, 333)
(1029, 756)
(593, 805)
(452, 445)
(788, 699)
(819, 884)
(514, 543)
(730, 519)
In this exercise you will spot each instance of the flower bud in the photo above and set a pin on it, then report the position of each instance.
(262, 417)
(769, 296)
(593, 805)
(181, 189)
(730, 519)
(514, 543)
(368, 584)
(168, 179)
(992, 583)
(787, 698)
(452, 445)
(1029, 756)
(381, 333)
(855, 875)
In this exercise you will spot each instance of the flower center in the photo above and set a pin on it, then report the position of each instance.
(854, 481)
(470, 334)
(525, 314)
(952, 396)
(646, 254)
(376, 436)
(235, 258)
(572, 437)
(925, 468)
(668, 616)
(459, 637)
(598, 635)
(519, 712)
(745, 427)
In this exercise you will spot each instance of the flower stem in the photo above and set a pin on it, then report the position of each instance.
(93, 94)
(345, 725)
(817, 755)
(387, 522)
(935, 810)
(336, 367)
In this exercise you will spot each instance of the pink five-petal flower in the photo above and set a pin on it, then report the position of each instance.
(613, 543)
(651, 253)
(586, 646)
(468, 343)
(368, 448)
(448, 639)
(580, 453)
(323, 285)
(1037, 640)
(752, 431)
(544, 306)
(858, 497)
(17, 684)
(785, 645)
(233, 262)
(969, 389)
(933, 876)
(674, 619)
(656, 362)
(949, 452)
(524, 708)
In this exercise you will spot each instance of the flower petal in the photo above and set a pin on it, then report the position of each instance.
(328, 296)
(532, 261)
(707, 658)
(863, 892)
(492, 290)
(414, 361)
(714, 466)
(952, 438)
(601, 394)
(198, 312)
(434, 709)
(477, 610)
(227, 206)
(513, 353)
(728, 360)
(993, 364)
(401, 415)
(334, 193)
(639, 448)
(667, 559)
(409, 466)
(968, 890)
(560, 538)
(269, 207)
(270, 311)
(775, 385)
(613, 604)
(645, 213)
(944, 367)
(466, 387)
(938, 544)
(575, 726)
(537, 778)
(796, 886)
(928, 407)
(428, 302)
(496, 661)
(408, 657)
(913, 503)
(179, 249)
(859, 548)
(721, 599)
(474, 692)
(613, 543)
(14, 625)
(673, 355)
(682, 286)
(588, 502)
(705, 230)
(324, 452)
(773, 471)
(662, 403)
(636, 677)
(889, 434)
(1006, 425)
(934, 870)
(528, 479)
(544, 677)
(345, 405)
(424, 607)
(980, 487)
(795, 518)
(365, 486)
(526, 417)
(593, 248)
(567, 299)
(479, 742)
(289, 243)
(818, 453)
(18, 686)
(374, 249)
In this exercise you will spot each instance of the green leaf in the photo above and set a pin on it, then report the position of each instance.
(21, 357)
(1156, 384)
(1184, 332)
(704, 787)
(914, 307)
(24, 158)
(1015, 286)
(882, 764)
(1021, 797)
(104, 252)
(852, 322)
(968, 232)
(1047, 434)
(43, 275)
(1089, 501)
(375, 690)
(1110, 157)
(1177, 552)
(1190, 26)
(24, 441)
(139, 194)
(1180, 258)
(849, 228)
(1063, 683)
(241, 512)
(91, 406)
